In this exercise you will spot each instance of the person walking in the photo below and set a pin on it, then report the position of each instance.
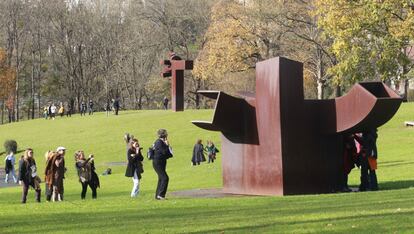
(116, 106)
(28, 175)
(61, 110)
(90, 107)
(83, 108)
(108, 107)
(162, 152)
(86, 173)
(53, 109)
(134, 168)
(165, 103)
(10, 161)
(211, 151)
(198, 153)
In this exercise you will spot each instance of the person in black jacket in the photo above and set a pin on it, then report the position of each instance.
(198, 153)
(28, 175)
(162, 152)
(134, 168)
(86, 173)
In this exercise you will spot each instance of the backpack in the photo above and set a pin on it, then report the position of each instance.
(151, 153)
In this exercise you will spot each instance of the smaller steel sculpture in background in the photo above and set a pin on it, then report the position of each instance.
(175, 67)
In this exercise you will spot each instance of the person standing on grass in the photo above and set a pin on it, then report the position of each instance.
(134, 168)
(116, 106)
(90, 107)
(162, 152)
(61, 110)
(86, 173)
(83, 108)
(28, 175)
(50, 156)
(9, 163)
(211, 151)
(350, 157)
(53, 109)
(108, 107)
(58, 170)
(198, 153)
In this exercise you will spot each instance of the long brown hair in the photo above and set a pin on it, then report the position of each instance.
(26, 153)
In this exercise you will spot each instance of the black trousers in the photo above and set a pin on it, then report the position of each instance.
(26, 190)
(85, 188)
(159, 167)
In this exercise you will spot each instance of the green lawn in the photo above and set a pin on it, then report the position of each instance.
(389, 210)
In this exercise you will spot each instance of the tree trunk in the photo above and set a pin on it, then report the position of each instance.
(338, 91)
(32, 90)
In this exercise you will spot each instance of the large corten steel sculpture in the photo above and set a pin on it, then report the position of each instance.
(277, 143)
(175, 67)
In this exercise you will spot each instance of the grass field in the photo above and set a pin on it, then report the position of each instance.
(389, 210)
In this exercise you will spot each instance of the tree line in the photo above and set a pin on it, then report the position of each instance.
(74, 50)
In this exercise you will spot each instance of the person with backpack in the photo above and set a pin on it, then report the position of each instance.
(162, 152)
(134, 168)
(10, 160)
(86, 173)
(28, 175)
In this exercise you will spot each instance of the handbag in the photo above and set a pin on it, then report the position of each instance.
(372, 163)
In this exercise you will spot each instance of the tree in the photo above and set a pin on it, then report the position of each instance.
(370, 38)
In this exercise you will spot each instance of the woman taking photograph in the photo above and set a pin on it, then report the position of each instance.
(86, 173)
(162, 152)
(134, 168)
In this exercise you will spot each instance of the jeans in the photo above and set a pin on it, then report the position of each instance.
(159, 167)
(12, 172)
(135, 188)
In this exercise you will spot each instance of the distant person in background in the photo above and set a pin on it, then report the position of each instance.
(211, 151)
(368, 157)
(165, 103)
(162, 152)
(61, 110)
(86, 173)
(49, 111)
(134, 168)
(46, 112)
(70, 105)
(9, 163)
(28, 175)
(108, 107)
(90, 105)
(198, 153)
(83, 108)
(116, 106)
(53, 110)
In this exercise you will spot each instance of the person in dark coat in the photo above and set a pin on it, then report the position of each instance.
(350, 156)
(134, 168)
(28, 175)
(116, 106)
(162, 152)
(83, 108)
(368, 157)
(165, 103)
(86, 173)
(198, 153)
(58, 169)
(90, 105)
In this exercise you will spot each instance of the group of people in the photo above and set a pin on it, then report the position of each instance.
(361, 150)
(84, 108)
(199, 150)
(162, 151)
(51, 111)
(54, 173)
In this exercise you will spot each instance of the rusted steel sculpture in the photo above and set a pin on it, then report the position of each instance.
(175, 67)
(278, 143)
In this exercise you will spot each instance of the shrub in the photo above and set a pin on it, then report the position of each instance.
(10, 146)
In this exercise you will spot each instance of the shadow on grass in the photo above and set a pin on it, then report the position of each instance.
(394, 185)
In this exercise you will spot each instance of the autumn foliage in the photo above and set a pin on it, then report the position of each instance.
(7, 81)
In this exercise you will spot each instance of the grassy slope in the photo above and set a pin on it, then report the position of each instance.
(388, 210)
